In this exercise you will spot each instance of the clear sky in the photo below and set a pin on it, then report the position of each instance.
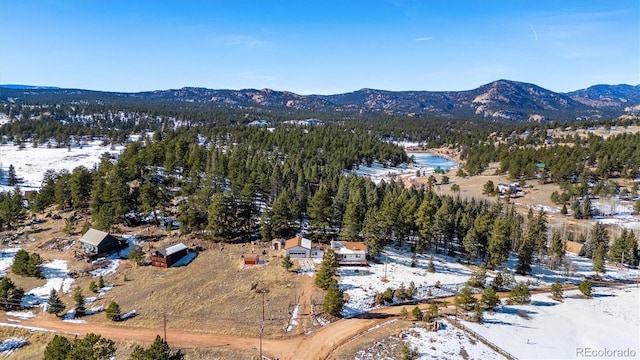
(318, 46)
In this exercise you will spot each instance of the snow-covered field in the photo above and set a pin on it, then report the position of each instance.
(362, 283)
(553, 330)
(448, 343)
(31, 163)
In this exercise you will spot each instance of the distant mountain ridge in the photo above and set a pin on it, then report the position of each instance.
(498, 100)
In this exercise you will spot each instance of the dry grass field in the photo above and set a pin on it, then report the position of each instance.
(214, 294)
(37, 342)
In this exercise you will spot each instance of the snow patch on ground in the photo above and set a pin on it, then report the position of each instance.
(32, 328)
(128, 315)
(107, 270)
(361, 283)
(104, 290)
(6, 259)
(294, 318)
(57, 276)
(8, 346)
(31, 163)
(447, 343)
(22, 314)
(611, 320)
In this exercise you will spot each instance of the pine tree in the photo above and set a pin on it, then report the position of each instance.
(556, 249)
(497, 281)
(100, 282)
(416, 313)
(464, 298)
(320, 210)
(598, 260)
(478, 278)
(432, 312)
(327, 270)
(373, 233)
(113, 311)
(490, 298)
(585, 288)
(79, 299)
(477, 313)
(334, 300)
(405, 352)
(57, 349)
(159, 350)
(525, 256)
(12, 179)
(10, 294)
(556, 291)
(136, 255)
(287, 263)
(54, 303)
(499, 243)
(92, 346)
(586, 209)
(599, 235)
(430, 265)
(624, 248)
(520, 294)
(411, 290)
(404, 313)
(93, 287)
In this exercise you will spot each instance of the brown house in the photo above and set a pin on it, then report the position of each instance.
(168, 256)
(251, 259)
(575, 248)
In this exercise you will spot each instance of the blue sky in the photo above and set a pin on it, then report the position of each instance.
(318, 47)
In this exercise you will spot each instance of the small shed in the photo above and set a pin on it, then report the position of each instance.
(277, 244)
(168, 256)
(95, 242)
(252, 259)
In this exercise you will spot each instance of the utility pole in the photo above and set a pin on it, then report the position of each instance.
(164, 314)
(263, 291)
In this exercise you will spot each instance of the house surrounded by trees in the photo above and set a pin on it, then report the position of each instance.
(350, 252)
(95, 242)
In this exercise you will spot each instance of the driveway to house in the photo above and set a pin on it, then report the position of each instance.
(307, 266)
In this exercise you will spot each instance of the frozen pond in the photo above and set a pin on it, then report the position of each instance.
(432, 161)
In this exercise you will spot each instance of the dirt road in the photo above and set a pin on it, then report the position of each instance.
(323, 343)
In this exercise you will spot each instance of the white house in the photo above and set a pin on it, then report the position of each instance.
(350, 252)
(298, 247)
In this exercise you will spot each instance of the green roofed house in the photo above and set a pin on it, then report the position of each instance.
(95, 242)
(541, 165)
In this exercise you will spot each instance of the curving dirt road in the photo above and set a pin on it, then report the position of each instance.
(321, 344)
